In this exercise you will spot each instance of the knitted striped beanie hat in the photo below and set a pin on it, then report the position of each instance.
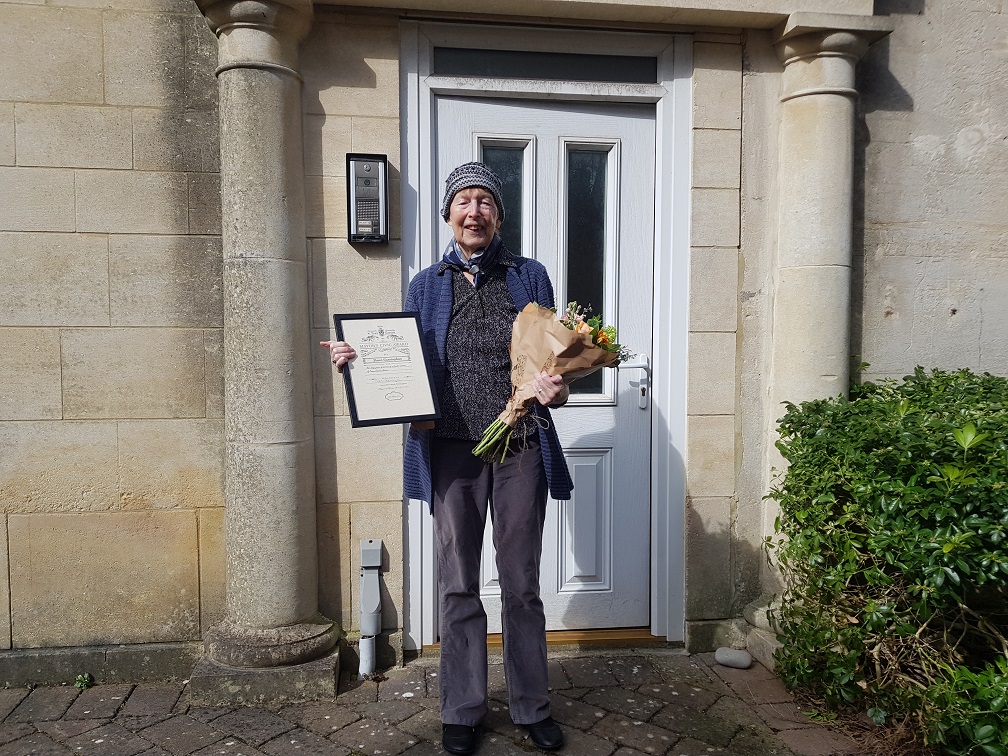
(468, 175)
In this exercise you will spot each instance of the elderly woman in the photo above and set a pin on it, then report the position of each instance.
(468, 302)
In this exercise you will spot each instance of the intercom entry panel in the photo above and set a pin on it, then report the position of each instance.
(367, 198)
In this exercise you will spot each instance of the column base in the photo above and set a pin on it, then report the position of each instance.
(261, 648)
(215, 684)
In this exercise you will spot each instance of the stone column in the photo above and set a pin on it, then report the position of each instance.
(270, 536)
(811, 328)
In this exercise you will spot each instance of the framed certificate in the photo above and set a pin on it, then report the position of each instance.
(390, 379)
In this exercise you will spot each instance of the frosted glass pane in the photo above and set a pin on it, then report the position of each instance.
(507, 162)
(586, 235)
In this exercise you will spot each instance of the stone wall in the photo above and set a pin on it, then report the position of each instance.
(111, 412)
(932, 268)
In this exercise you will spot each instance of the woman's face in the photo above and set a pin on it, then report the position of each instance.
(474, 218)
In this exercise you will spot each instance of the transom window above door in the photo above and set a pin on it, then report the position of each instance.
(552, 66)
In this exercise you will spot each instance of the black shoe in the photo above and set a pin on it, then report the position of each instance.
(459, 739)
(545, 734)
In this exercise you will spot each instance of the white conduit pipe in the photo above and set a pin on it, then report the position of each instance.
(370, 603)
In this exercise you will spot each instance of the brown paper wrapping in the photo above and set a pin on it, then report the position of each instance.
(539, 341)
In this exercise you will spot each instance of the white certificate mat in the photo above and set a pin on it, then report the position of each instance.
(389, 381)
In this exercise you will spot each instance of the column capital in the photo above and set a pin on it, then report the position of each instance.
(258, 33)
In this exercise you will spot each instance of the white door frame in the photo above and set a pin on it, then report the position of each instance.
(672, 96)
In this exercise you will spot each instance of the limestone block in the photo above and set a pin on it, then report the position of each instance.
(200, 80)
(53, 279)
(717, 158)
(717, 86)
(104, 578)
(377, 135)
(336, 576)
(133, 373)
(381, 519)
(714, 290)
(715, 218)
(74, 136)
(204, 203)
(144, 58)
(329, 393)
(6, 133)
(30, 374)
(708, 558)
(326, 142)
(165, 281)
(175, 140)
(212, 582)
(357, 464)
(365, 278)
(87, 473)
(171, 464)
(139, 202)
(712, 388)
(213, 344)
(36, 199)
(710, 455)
(351, 69)
(325, 206)
(50, 54)
(5, 618)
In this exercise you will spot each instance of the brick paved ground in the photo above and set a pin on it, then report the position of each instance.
(613, 703)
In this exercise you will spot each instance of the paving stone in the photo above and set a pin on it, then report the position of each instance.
(425, 725)
(228, 747)
(498, 720)
(583, 744)
(151, 700)
(208, 714)
(493, 743)
(783, 716)
(182, 735)
(558, 679)
(761, 690)
(687, 669)
(576, 692)
(44, 704)
(389, 712)
(695, 724)
(644, 737)
(496, 683)
(624, 751)
(631, 703)
(300, 742)
(99, 703)
(683, 694)
(433, 684)
(818, 741)
(735, 710)
(692, 747)
(321, 718)
(109, 740)
(370, 737)
(424, 749)
(140, 723)
(758, 741)
(62, 729)
(9, 699)
(633, 671)
(575, 713)
(592, 672)
(353, 691)
(254, 726)
(38, 744)
(731, 675)
(10, 731)
(408, 682)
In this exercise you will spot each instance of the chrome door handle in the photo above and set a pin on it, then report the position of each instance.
(643, 363)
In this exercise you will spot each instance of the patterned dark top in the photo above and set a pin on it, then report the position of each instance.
(478, 362)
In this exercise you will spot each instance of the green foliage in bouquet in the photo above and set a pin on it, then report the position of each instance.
(892, 545)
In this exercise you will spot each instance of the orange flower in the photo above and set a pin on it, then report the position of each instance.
(584, 327)
(602, 339)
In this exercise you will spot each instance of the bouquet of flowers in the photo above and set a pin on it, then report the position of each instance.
(573, 345)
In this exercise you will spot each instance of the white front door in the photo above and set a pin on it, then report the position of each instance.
(579, 194)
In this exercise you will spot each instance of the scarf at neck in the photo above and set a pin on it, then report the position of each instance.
(478, 264)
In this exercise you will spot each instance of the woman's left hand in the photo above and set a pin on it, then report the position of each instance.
(550, 390)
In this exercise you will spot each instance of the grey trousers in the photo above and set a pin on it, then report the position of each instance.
(516, 492)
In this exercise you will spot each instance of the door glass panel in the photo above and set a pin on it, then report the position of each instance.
(586, 241)
(555, 66)
(508, 163)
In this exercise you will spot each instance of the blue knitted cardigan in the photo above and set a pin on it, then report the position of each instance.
(430, 294)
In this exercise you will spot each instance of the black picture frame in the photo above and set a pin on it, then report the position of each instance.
(386, 383)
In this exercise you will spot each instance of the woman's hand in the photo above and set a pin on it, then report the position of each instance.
(550, 390)
(340, 353)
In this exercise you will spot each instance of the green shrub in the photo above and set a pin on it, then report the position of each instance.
(894, 515)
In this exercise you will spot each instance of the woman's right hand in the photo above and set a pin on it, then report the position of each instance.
(340, 353)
